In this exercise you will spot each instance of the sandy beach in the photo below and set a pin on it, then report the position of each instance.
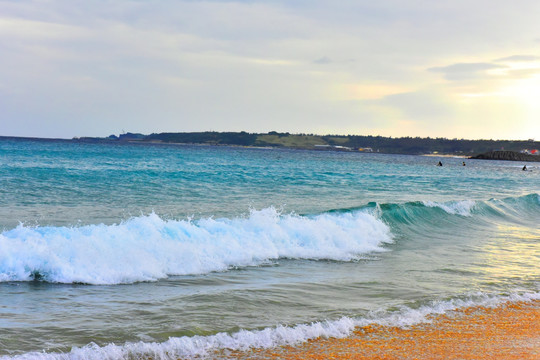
(510, 331)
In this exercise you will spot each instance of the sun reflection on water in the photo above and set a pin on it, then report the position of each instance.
(513, 253)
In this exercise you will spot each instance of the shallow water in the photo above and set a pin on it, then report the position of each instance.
(171, 250)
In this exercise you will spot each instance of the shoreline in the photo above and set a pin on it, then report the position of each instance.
(510, 331)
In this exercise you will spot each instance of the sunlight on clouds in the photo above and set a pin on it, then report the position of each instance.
(367, 91)
(527, 91)
(505, 100)
(520, 83)
(504, 116)
(470, 96)
(519, 69)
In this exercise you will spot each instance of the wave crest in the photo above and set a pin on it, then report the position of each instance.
(148, 248)
(462, 208)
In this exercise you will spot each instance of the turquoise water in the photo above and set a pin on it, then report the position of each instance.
(122, 251)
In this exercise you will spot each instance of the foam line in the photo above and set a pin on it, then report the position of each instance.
(197, 346)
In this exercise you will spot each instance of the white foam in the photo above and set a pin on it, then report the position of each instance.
(197, 346)
(148, 248)
(462, 208)
(407, 316)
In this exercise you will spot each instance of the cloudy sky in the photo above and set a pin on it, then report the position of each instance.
(457, 69)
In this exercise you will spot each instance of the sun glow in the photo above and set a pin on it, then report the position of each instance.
(524, 82)
(526, 91)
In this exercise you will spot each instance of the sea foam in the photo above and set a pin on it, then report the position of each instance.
(148, 248)
(196, 347)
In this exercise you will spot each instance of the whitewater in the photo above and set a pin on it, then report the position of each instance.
(148, 248)
(130, 251)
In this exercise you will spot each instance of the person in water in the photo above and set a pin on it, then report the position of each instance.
(464, 163)
(439, 164)
(524, 168)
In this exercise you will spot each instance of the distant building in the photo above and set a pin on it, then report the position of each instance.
(332, 147)
(530, 152)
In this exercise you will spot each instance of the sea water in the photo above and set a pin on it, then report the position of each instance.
(130, 251)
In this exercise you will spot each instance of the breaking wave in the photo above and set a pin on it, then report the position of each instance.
(149, 248)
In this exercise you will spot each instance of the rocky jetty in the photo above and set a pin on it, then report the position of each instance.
(506, 155)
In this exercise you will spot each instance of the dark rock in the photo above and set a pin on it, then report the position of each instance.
(506, 155)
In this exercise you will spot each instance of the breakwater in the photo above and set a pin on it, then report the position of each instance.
(506, 155)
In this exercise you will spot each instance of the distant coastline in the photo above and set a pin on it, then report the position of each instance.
(356, 143)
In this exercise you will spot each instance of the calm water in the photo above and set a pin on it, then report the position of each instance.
(125, 251)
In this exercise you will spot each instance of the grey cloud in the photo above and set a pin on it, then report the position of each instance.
(323, 60)
(463, 71)
(523, 58)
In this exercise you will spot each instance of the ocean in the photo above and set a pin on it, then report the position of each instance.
(137, 251)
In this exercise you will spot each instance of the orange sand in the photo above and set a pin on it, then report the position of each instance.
(510, 331)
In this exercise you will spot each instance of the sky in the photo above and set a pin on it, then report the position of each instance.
(454, 69)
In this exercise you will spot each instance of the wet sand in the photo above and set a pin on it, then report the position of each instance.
(510, 331)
